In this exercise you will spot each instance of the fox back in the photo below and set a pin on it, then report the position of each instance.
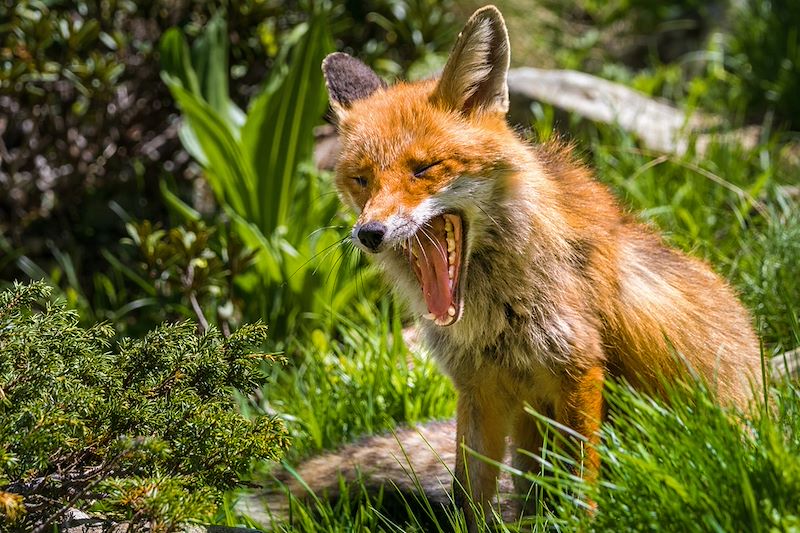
(531, 284)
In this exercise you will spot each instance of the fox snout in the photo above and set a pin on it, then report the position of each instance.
(370, 234)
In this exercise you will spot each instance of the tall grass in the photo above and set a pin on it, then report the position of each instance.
(363, 380)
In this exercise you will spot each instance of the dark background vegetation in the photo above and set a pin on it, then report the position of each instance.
(89, 130)
(110, 193)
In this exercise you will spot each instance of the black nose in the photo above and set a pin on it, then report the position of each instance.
(371, 234)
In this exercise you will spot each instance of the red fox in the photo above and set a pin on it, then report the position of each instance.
(531, 284)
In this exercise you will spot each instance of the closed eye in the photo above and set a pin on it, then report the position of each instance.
(360, 180)
(421, 169)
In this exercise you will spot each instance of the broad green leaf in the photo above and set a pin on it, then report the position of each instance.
(177, 205)
(277, 135)
(175, 60)
(229, 171)
(268, 261)
(210, 58)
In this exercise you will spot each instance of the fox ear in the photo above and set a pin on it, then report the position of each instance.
(475, 74)
(348, 80)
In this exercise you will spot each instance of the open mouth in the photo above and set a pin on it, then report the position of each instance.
(436, 256)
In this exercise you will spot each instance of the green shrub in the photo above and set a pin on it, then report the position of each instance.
(145, 431)
(404, 38)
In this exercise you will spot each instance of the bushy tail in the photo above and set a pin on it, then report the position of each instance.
(410, 465)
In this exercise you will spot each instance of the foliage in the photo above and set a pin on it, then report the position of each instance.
(254, 165)
(589, 35)
(146, 432)
(92, 130)
(189, 270)
(361, 381)
(763, 58)
(696, 466)
(79, 78)
(408, 38)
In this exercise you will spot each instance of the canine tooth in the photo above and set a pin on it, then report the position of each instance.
(429, 316)
(451, 310)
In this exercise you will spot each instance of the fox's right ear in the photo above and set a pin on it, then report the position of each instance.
(474, 78)
(348, 80)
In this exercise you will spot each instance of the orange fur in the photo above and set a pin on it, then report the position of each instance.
(561, 290)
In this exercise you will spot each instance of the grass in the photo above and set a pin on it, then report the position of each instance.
(363, 381)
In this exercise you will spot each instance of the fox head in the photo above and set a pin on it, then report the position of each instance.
(421, 163)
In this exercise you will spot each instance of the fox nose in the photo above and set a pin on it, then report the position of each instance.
(371, 234)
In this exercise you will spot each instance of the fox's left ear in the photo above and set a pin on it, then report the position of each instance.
(348, 80)
(474, 77)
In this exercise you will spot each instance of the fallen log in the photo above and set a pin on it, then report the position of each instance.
(786, 365)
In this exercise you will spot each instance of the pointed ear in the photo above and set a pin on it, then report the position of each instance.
(348, 80)
(475, 74)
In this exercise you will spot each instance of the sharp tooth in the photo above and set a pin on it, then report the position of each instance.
(429, 316)
(451, 310)
(414, 251)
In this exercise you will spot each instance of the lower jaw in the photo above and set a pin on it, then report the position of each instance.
(443, 322)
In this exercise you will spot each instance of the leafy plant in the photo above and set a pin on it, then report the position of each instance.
(763, 58)
(189, 270)
(145, 432)
(256, 164)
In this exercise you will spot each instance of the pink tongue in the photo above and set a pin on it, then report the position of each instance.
(435, 278)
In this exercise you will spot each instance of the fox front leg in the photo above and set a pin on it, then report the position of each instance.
(481, 429)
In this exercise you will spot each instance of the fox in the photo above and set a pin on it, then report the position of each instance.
(531, 283)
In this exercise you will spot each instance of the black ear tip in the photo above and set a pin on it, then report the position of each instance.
(490, 10)
(336, 59)
(349, 79)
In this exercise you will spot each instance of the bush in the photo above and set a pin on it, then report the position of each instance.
(147, 432)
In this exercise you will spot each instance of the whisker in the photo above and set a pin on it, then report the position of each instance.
(323, 228)
(328, 251)
(416, 236)
(313, 257)
(435, 243)
(490, 217)
(334, 268)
